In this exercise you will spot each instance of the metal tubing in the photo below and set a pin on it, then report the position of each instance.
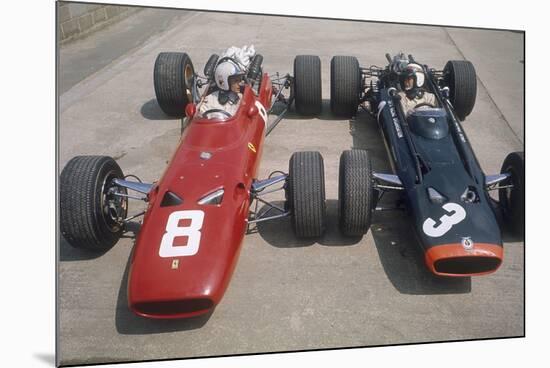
(135, 186)
(269, 204)
(133, 217)
(276, 121)
(285, 214)
(129, 196)
(388, 187)
(260, 185)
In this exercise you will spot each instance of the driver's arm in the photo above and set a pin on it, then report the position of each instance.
(405, 106)
(430, 99)
(206, 103)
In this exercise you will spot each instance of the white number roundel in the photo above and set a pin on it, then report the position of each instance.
(446, 221)
(192, 232)
(261, 110)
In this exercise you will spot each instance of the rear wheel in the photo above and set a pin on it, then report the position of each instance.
(306, 194)
(512, 200)
(356, 196)
(460, 77)
(173, 79)
(90, 213)
(345, 85)
(307, 84)
(210, 65)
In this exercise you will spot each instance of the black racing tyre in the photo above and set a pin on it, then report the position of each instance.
(89, 215)
(460, 77)
(356, 196)
(255, 69)
(345, 85)
(173, 79)
(512, 200)
(211, 65)
(307, 84)
(306, 194)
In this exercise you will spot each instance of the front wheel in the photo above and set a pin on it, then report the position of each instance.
(306, 194)
(91, 209)
(356, 197)
(512, 200)
(174, 77)
(460, 77)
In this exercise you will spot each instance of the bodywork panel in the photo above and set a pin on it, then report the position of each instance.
(185, 252)
(443, 215)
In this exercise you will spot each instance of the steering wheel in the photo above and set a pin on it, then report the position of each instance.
(425, 104)
(212, 111)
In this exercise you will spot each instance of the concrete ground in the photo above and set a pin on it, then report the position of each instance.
(286, 294)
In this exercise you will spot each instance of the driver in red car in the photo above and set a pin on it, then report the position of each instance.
(229, 78)
(413, 94)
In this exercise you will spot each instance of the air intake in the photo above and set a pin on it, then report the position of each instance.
(170, 199)
(174, 307)
(466, 265)
(212, 198)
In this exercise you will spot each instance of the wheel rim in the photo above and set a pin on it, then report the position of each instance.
(188, 76)
(113, 207)
(508, 193)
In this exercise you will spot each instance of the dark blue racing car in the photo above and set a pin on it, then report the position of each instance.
(419, 111)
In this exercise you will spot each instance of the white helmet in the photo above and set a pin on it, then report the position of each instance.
(224, 71)
(418, 73)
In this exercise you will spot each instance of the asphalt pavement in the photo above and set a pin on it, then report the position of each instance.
(286, 294)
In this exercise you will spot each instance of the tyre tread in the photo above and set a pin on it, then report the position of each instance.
(307, 84)
(462, 81)
(80, 183)
(345, 85)
(169, 82)
(356, 194)
(307, 194)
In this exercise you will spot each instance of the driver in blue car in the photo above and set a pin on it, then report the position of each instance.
(229, 78)
(412, 93)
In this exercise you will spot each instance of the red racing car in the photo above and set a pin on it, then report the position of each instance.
(200, 209)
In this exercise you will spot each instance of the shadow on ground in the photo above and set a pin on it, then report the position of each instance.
(325, 114)
(400, 253)
(280, 234)
(508, 236)
(403, 260)
(152, 111)
(70, 253)
(128, 323)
